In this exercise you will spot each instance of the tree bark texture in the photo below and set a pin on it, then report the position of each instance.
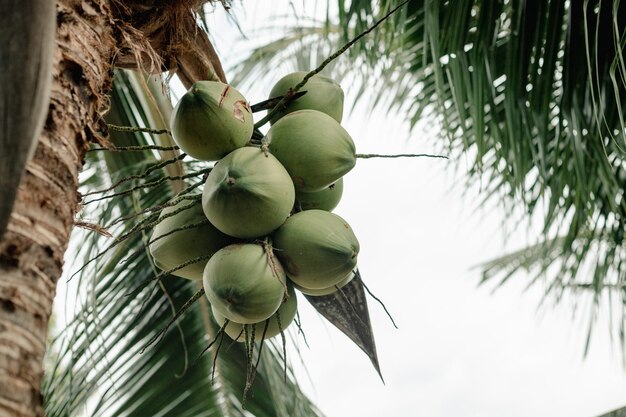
(92, 36)
(31, 252)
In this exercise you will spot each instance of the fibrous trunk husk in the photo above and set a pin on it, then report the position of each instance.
(162, 36)
(88, 38)
(32, 248)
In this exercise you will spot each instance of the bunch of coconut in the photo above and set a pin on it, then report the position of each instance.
(263, 225)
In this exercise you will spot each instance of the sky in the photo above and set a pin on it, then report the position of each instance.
(460, 350)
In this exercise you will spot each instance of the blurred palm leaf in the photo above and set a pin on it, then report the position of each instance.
(531, 93)
(98, 367)
(621, 412)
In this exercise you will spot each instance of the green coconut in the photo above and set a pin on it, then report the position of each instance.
(211, 120)
(170, 246)
(313, 147)
(244, 282)
(278, 322)
(326, 199)
(322, 94)
(318, 249)
(248, 194)
(326, 291)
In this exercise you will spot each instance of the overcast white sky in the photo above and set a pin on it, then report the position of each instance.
(460, 349)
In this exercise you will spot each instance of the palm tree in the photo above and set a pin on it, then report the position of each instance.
(92, 38)
(97, 365)
(531, 92)
(532, 134)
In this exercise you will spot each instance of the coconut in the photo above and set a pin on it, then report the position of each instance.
(313, 147)
(211, 120)
(248, 194)
(317, 248)
(278, 322)
(244, 283)
(322, 94)
(326, 291)
(327, 199)
(171, 247)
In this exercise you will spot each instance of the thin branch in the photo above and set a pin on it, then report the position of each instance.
(157, 208)
(159, 336)
(272, 102)
(290, 95)
(150, 184)
(146, 223)
(143, 175)
(179, 229)
(399, 155)
(163, 274)
(93, 227)
(219, 332)
(298, 322)
(136, 148)
(139, 129)
(358, 276)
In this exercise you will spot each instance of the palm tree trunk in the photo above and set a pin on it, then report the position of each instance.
(31, 252)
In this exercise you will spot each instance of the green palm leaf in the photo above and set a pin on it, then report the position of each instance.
(621, 412)
(99, 366)
(530, 92)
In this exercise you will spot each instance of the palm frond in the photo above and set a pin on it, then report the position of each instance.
(532, 92)
(100, 366)
(621, 412)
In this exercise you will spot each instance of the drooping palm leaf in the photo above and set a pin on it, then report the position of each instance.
(98, 367)
(532, 92)
(621, 412)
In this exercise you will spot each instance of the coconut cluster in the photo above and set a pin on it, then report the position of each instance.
(263, 225)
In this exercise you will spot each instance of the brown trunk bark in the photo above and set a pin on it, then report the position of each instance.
(31, 252)
(90, 34)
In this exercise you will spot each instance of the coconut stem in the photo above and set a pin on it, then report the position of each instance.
(143, 175)
(290, 94)
(358, 276)
(157, 208)
(212, 342)
(159, 336)
(284, 342)
(399, 155)
(151, 184)
(134, 129)
(267, 246)
(298, 322)
(146, 223)
(163, 274)
(136, 148)
(217, 351)
(249, 340)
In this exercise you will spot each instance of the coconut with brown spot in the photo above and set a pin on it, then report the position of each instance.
(211, 120)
